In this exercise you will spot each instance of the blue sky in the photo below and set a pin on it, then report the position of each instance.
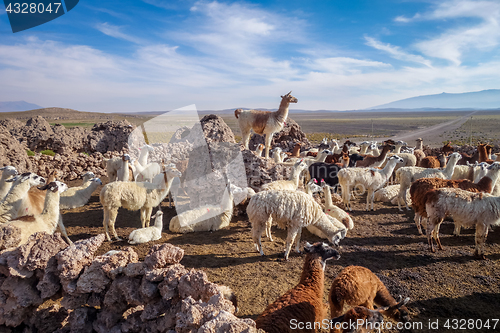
(154, 55)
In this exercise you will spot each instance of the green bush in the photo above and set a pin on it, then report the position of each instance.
(48, 152)
(30, 153)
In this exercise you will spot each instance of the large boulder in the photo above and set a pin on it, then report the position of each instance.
(12, 152)
(109, 136)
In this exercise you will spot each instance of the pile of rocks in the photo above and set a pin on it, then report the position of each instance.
(108, 293)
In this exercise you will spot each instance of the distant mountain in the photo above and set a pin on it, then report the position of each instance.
(485, 99)
(17, 106)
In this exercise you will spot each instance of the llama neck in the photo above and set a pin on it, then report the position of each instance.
(51, 206)
(18, 191)
(159, 222)
(420, 145)
(397, 150)
(345, 162)
(295, 176)
(448, 171)
(164, 188)
(328, 196)
(313, 274)
(143, 158)
(483, 156)
(321, 157)
(282, 112)
(389, 168)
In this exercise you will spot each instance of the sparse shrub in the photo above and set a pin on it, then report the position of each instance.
(30, 152)
(47, 152)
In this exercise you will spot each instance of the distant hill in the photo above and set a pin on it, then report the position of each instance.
(485, 99)
(17, 106)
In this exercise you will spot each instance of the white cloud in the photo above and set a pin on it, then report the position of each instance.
(457, 42)
(396, 52)
(115, 31)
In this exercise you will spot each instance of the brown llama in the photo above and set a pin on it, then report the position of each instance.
(304, 303)
(355, 286)
(483, 153)
(264, 122)
(363, 319)
(419, 190)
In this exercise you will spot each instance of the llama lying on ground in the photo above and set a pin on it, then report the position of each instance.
(408, 175)
(291, 210)
(8, 172)
(433, 162)
(47, 221)
(371, 179)
(148, 172)
(78, 196)
(357, 285)
(135, 196)
(467, 209)
(304, 303)
(263, 122)
(148, 234)
(363, 319)
(420, 188)
(205, 218)
(334, 210)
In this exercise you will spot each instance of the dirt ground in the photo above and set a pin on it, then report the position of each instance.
(449, 284)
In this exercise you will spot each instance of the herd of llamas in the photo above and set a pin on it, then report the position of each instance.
(449, 185)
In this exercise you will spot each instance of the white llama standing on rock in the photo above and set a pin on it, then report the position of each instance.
(264, 122)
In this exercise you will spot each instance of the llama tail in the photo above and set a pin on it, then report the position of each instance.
(237, 112)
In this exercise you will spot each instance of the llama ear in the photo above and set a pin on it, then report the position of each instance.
(307, 247)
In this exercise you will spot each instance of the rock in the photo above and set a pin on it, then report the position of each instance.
(80, 320)
(160, 256)
(261, 171)
(195, 284)
(12, 152)
(72, 259)
(215, 129)
(10, 236)
(195, 314)
(109, 136)
(227, 322)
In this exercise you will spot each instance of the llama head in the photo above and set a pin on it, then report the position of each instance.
(9, 170)
(322, 250)
(289, 98)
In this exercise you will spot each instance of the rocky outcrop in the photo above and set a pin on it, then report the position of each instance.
(12, 152)
(113, 292)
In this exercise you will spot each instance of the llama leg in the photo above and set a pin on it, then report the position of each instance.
(430, 229)
(436, 236)
(63, 229)
(269, 138)
(297, 240)
(245, 133)
(143, 217)
(269, 223)
(112, 220)
(289, 241)
(480, 239)
(418, 220)
(257, 229)
(406, 200)
(148, 212)
(400, 197)
(456, 230)
(105, 222)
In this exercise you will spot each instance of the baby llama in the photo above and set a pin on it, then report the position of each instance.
(263, 122)
(205, 218)
(148, 234)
